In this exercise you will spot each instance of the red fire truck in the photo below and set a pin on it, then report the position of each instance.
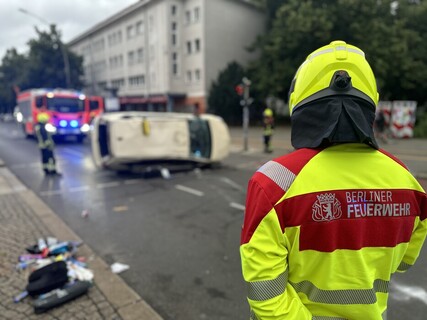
(70, 111)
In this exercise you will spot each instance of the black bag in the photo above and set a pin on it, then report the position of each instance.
(58, 297)
(47, 278)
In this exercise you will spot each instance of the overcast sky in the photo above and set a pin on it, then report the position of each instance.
(72, 17)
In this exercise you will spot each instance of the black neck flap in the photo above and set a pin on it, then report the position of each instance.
(332, 120)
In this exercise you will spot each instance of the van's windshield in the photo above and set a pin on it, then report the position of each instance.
(65, 105)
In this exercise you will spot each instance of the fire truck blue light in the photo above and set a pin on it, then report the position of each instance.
(63, 123)
(74, 123)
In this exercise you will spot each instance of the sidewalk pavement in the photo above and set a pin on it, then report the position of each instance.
(412, 152)
(23, 219)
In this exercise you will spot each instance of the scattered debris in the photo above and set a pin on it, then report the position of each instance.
(118, 267)
(165, 173)
(85, 213)
(56, 276)
(120, 208)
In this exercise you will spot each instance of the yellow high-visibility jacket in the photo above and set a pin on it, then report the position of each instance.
(325, 229)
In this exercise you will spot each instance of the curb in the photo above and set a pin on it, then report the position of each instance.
(128, 304)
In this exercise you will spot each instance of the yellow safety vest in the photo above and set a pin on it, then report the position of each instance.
(324, 230)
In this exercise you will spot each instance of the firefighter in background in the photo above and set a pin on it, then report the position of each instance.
(268, 120)
(46, 144)
(327, 225)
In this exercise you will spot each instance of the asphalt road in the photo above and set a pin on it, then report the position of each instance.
(180, 236)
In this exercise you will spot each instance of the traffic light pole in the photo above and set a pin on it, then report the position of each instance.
(246, 85)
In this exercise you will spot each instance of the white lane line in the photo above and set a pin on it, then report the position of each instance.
(78, 189)
(232, 184)
(410, 292)
(73, 152)
(107, 185)
(50, 192)
(133, 181)
(190, 190)
(237, 206)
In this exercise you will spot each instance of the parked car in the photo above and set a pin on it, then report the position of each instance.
(140, 140)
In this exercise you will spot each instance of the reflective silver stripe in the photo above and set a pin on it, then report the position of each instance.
(267, 289)
(282, 176)
(350, 296)
(339, 48)
(403, 266)
(320, 53)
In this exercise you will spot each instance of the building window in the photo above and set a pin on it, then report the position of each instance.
(188, 47)
(130, 32)
(119, 37)
(188, 77)
(175, 63)
(173, 26)
(139, 27)
(174, 39)
(196, 14)
(197, 75)
(197, 45)
(137, 81)
(187, 17)
(118, 83)
(131, 58)
(173, 10)
(140, 55)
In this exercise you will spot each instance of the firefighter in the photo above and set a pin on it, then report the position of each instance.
(327, 225)
(268, 120)
(46, 144)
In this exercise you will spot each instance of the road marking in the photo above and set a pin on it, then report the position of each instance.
(77, 189)
(133, 181)
(73, 152)
(50, 192)
(237, 206)
(107, 185)
(232, 184)
(190, 190)
(410, 292)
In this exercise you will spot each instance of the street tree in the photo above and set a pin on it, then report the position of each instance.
(44, 65)
(223, 99)
(47, 60)
(390, 32)
(13, 74)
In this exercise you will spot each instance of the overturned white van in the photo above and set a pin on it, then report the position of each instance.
(136, 140)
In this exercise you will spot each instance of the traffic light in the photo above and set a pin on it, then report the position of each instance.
(239, 89)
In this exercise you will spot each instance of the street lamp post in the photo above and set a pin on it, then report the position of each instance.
(61, 47)
(247, 101)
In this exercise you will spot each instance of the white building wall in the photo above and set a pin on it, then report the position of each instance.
(218, 32)
(228, 33)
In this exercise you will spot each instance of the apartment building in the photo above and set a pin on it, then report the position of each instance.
(163, 55)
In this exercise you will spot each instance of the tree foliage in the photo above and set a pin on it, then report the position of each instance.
(391, 35)
(42, 66)
(223, 99)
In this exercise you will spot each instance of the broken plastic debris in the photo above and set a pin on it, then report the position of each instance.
(165, 173)
(118, 267)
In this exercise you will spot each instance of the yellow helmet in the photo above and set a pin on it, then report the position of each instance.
(43, 117)
(335, 69)
(268, 112)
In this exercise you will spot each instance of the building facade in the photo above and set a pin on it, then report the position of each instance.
(163, 55)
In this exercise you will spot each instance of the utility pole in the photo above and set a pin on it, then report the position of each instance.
(246, 102)
(62, 47)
